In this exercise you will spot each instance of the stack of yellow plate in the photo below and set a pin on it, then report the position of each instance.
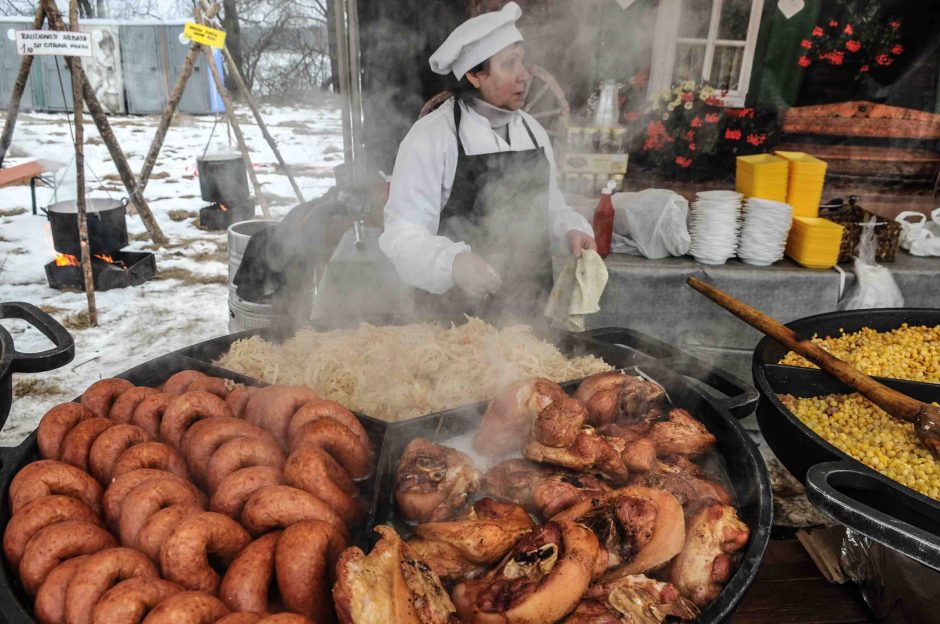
(814, 242)
(763, 176)
(805, 186)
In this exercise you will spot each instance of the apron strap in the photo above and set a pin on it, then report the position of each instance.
(458, 114)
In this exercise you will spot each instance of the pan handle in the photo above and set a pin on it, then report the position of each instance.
(740, 397)
(877, 507)
(59, 355)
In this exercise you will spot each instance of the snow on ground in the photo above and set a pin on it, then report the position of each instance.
(189, 303)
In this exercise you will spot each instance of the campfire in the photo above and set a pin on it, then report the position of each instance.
(223, 180)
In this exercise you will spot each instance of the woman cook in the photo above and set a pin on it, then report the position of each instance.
(474, 200)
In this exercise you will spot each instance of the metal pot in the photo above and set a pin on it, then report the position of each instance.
(839, 485)
(107, 228)
(222, 178)
(12, 361)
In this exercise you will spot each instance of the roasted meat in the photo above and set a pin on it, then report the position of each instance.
(641, 528)
(390, 584)
(463, 548)
(509, 417)
(433, 482)
(641, 399)
(615, 396)
(706, 561)
(682, 434)
(691, 485)
(632, 600)
(560, 423)
(590, 452)
(639, 450)
(540, 580)
(539, 488)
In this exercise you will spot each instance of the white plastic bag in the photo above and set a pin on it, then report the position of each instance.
(653, 221)
(874, 285)
(920, 237)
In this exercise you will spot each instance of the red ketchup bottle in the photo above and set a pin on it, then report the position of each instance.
(604, 222)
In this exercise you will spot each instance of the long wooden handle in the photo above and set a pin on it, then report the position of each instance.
(892, 401)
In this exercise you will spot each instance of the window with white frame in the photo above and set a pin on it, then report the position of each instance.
(706, 40)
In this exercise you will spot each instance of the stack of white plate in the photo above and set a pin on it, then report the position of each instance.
(764, 232)
(714, 225)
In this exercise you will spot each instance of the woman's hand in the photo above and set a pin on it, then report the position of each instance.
(579, 241)
(474, 276)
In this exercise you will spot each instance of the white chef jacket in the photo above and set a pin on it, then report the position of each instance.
(422, 181)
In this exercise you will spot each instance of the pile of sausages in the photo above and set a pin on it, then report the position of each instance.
(187, 504)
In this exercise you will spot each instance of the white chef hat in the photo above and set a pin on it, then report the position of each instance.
(476, 40)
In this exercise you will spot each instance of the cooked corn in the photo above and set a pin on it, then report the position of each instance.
(903, 353)
(863, 430)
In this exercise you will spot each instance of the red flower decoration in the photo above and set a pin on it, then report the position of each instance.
(853, 46)
(733, 135)
(863, 69)
(818, 32)
(884, 59)
(631, 115)
(848, 30)
(696, 122)
(806, 43)
(683, 162)
(804, 61)
(756, 139)
(833, 23)
(691, 147)
(688, 96)
(711, 117)
(834, 58)
(689, 136)
(895, 24)
(897, 49)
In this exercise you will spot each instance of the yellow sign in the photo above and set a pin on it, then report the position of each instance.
(204, 35)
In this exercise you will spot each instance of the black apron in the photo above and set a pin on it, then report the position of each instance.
(499, 206)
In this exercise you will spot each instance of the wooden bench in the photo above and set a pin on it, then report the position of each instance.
(30, 171)
(913, 136)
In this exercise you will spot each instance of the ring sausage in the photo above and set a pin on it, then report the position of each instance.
(113, 500)
(315, 471)
(255, 408)
(158, 527)
(234, 490)
(306, 553)
(278, 506)
(56, 543)
(246, 584)
(179, 382)
(238, 398)
(108, 446)
(188, 607)
(186, 409)
(285, 618)
(97, 574)
(38, 514)
(100, 396)
(77, 442)
(282, 406)
(206, 436)
(339, 442)
(155, 455)
(241, 617)
(184, 555)
(148, 498)
(213, 385)
(49, 607)
(46, 477)
(315, 410)
(150, 412)
(125, 405)
(129, 601)
(241, 453)
(57, 422)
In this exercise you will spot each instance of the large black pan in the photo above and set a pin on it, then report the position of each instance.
(13, 361)
(842, 487)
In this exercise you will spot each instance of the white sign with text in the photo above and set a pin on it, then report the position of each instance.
(52, 43)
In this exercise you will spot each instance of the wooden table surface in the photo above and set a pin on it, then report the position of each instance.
(789, 588)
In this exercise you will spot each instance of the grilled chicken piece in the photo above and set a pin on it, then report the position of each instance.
(641, 528)
(560, 423)
(600, 394)
(682, 434)
(707, 560)
(632, 600)
(642, 400)
(465, 547)
(538, 488)
(390, 584)
(590, 452)
(433, 482)
(639, 450)
(540, 580)
(509, 417)
(691, 485)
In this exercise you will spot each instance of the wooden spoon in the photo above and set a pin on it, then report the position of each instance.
(924, 417)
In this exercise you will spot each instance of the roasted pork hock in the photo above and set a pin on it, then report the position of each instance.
(433, 482)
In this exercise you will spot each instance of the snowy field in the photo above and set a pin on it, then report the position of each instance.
(188, 301)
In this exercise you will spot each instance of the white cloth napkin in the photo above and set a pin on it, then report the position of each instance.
(577, 291)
